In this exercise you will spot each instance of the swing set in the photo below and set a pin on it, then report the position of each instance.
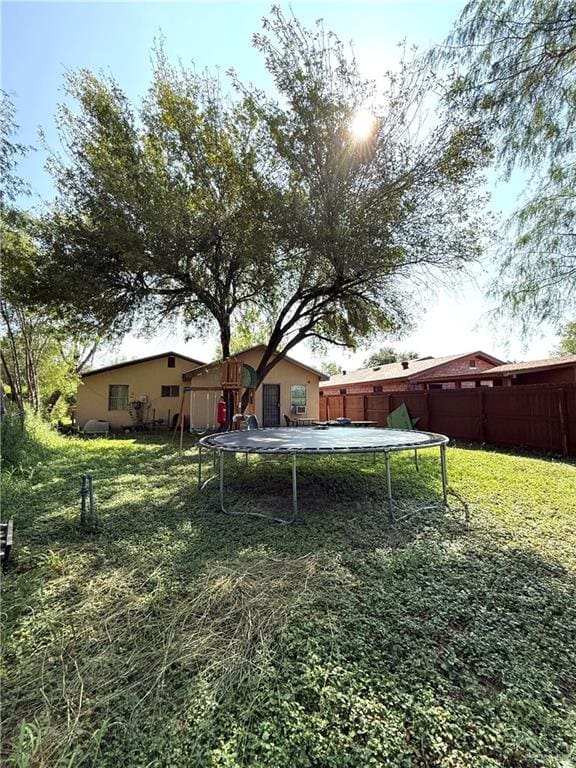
(235, 377)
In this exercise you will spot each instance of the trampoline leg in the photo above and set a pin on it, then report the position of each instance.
(199, 466)
(444, 474)
(389, 486)
(416, 459)
(221, 459)
(245, 459)
(294, 488)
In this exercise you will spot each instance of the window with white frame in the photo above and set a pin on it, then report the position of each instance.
(298, 398)
(118, 397)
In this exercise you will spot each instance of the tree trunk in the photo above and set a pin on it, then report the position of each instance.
(15, 392)
(52, 400)
(225, 335)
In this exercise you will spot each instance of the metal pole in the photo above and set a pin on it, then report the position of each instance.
(83, 494)
(199, 466)
(444, 474)
(294, 487)
(221, 459)
(389, 486)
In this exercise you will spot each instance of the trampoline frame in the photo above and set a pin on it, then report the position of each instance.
(211, 443)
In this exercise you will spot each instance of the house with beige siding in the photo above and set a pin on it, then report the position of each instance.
(290, 388)
(151, 389)
(143, 390)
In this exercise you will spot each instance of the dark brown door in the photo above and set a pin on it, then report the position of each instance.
(271, 405)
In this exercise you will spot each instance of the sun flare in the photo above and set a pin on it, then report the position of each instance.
(362, 124)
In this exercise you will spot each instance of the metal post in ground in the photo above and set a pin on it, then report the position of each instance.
(83, 496)
(294, 487)
(444, 474)
(389, 486)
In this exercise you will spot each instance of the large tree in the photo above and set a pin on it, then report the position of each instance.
(217, 207)
(362, 212)
(161, 211)
(518, 62)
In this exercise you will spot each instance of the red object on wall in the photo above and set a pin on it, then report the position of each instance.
(221, 413)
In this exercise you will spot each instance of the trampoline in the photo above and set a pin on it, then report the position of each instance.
(310, 441)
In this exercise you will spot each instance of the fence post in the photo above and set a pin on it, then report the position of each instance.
(563, 420)
(364, 404)
(427, 411)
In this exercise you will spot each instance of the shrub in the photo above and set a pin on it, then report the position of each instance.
(25, 438)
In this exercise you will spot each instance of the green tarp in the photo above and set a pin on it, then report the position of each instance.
(400, 418)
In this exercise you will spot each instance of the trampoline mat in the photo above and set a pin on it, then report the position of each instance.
(331, 440)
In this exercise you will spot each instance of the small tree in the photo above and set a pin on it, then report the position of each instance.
(386, 355)
(567, 345)
(41, 353)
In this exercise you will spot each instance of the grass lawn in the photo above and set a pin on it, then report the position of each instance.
(178, 636)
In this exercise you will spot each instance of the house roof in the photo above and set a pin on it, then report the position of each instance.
(187, 375)
(510, 369)
(138, 361)
(533, 365)
(396, 371)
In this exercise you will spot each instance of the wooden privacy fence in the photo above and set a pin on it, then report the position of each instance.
(538, 416)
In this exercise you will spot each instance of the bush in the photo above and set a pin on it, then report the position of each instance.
(25, 438)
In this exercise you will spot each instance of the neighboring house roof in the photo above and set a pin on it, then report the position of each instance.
(194, 371)
(393, 371)
(138, 361)
(510, 369)
(533, 365)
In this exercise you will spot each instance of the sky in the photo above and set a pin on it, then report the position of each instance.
(40, 41)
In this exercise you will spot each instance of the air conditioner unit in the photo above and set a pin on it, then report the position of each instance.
(142, 398)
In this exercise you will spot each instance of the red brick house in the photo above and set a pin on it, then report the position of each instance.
(425, 373)
(552, 370)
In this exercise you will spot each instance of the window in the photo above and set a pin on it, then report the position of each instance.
(434, 386)
(342, 391)
(169, 390)
(171, 361)
(377, 388)
(298, 398)
(471, 363)
(118, 397)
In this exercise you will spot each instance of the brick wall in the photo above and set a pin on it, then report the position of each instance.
(365, 388)
(454, 367)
